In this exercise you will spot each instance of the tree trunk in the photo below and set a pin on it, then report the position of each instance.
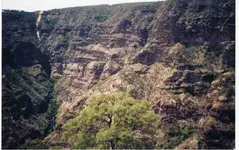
(112, 145)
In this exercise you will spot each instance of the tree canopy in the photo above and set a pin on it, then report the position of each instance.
(115, 121)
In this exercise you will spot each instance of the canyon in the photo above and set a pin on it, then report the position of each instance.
(177, 54)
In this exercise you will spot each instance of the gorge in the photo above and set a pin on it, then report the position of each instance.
(179, 55)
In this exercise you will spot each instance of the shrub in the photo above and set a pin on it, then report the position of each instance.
(175, 134)
(34, 144)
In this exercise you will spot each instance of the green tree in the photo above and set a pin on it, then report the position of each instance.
(113, 121)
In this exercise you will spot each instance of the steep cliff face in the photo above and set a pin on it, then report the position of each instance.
(90, 50)
(178, 54)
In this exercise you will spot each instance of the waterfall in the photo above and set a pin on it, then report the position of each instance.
(37, 24)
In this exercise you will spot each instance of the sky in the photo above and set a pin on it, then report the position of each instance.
(35, 5)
